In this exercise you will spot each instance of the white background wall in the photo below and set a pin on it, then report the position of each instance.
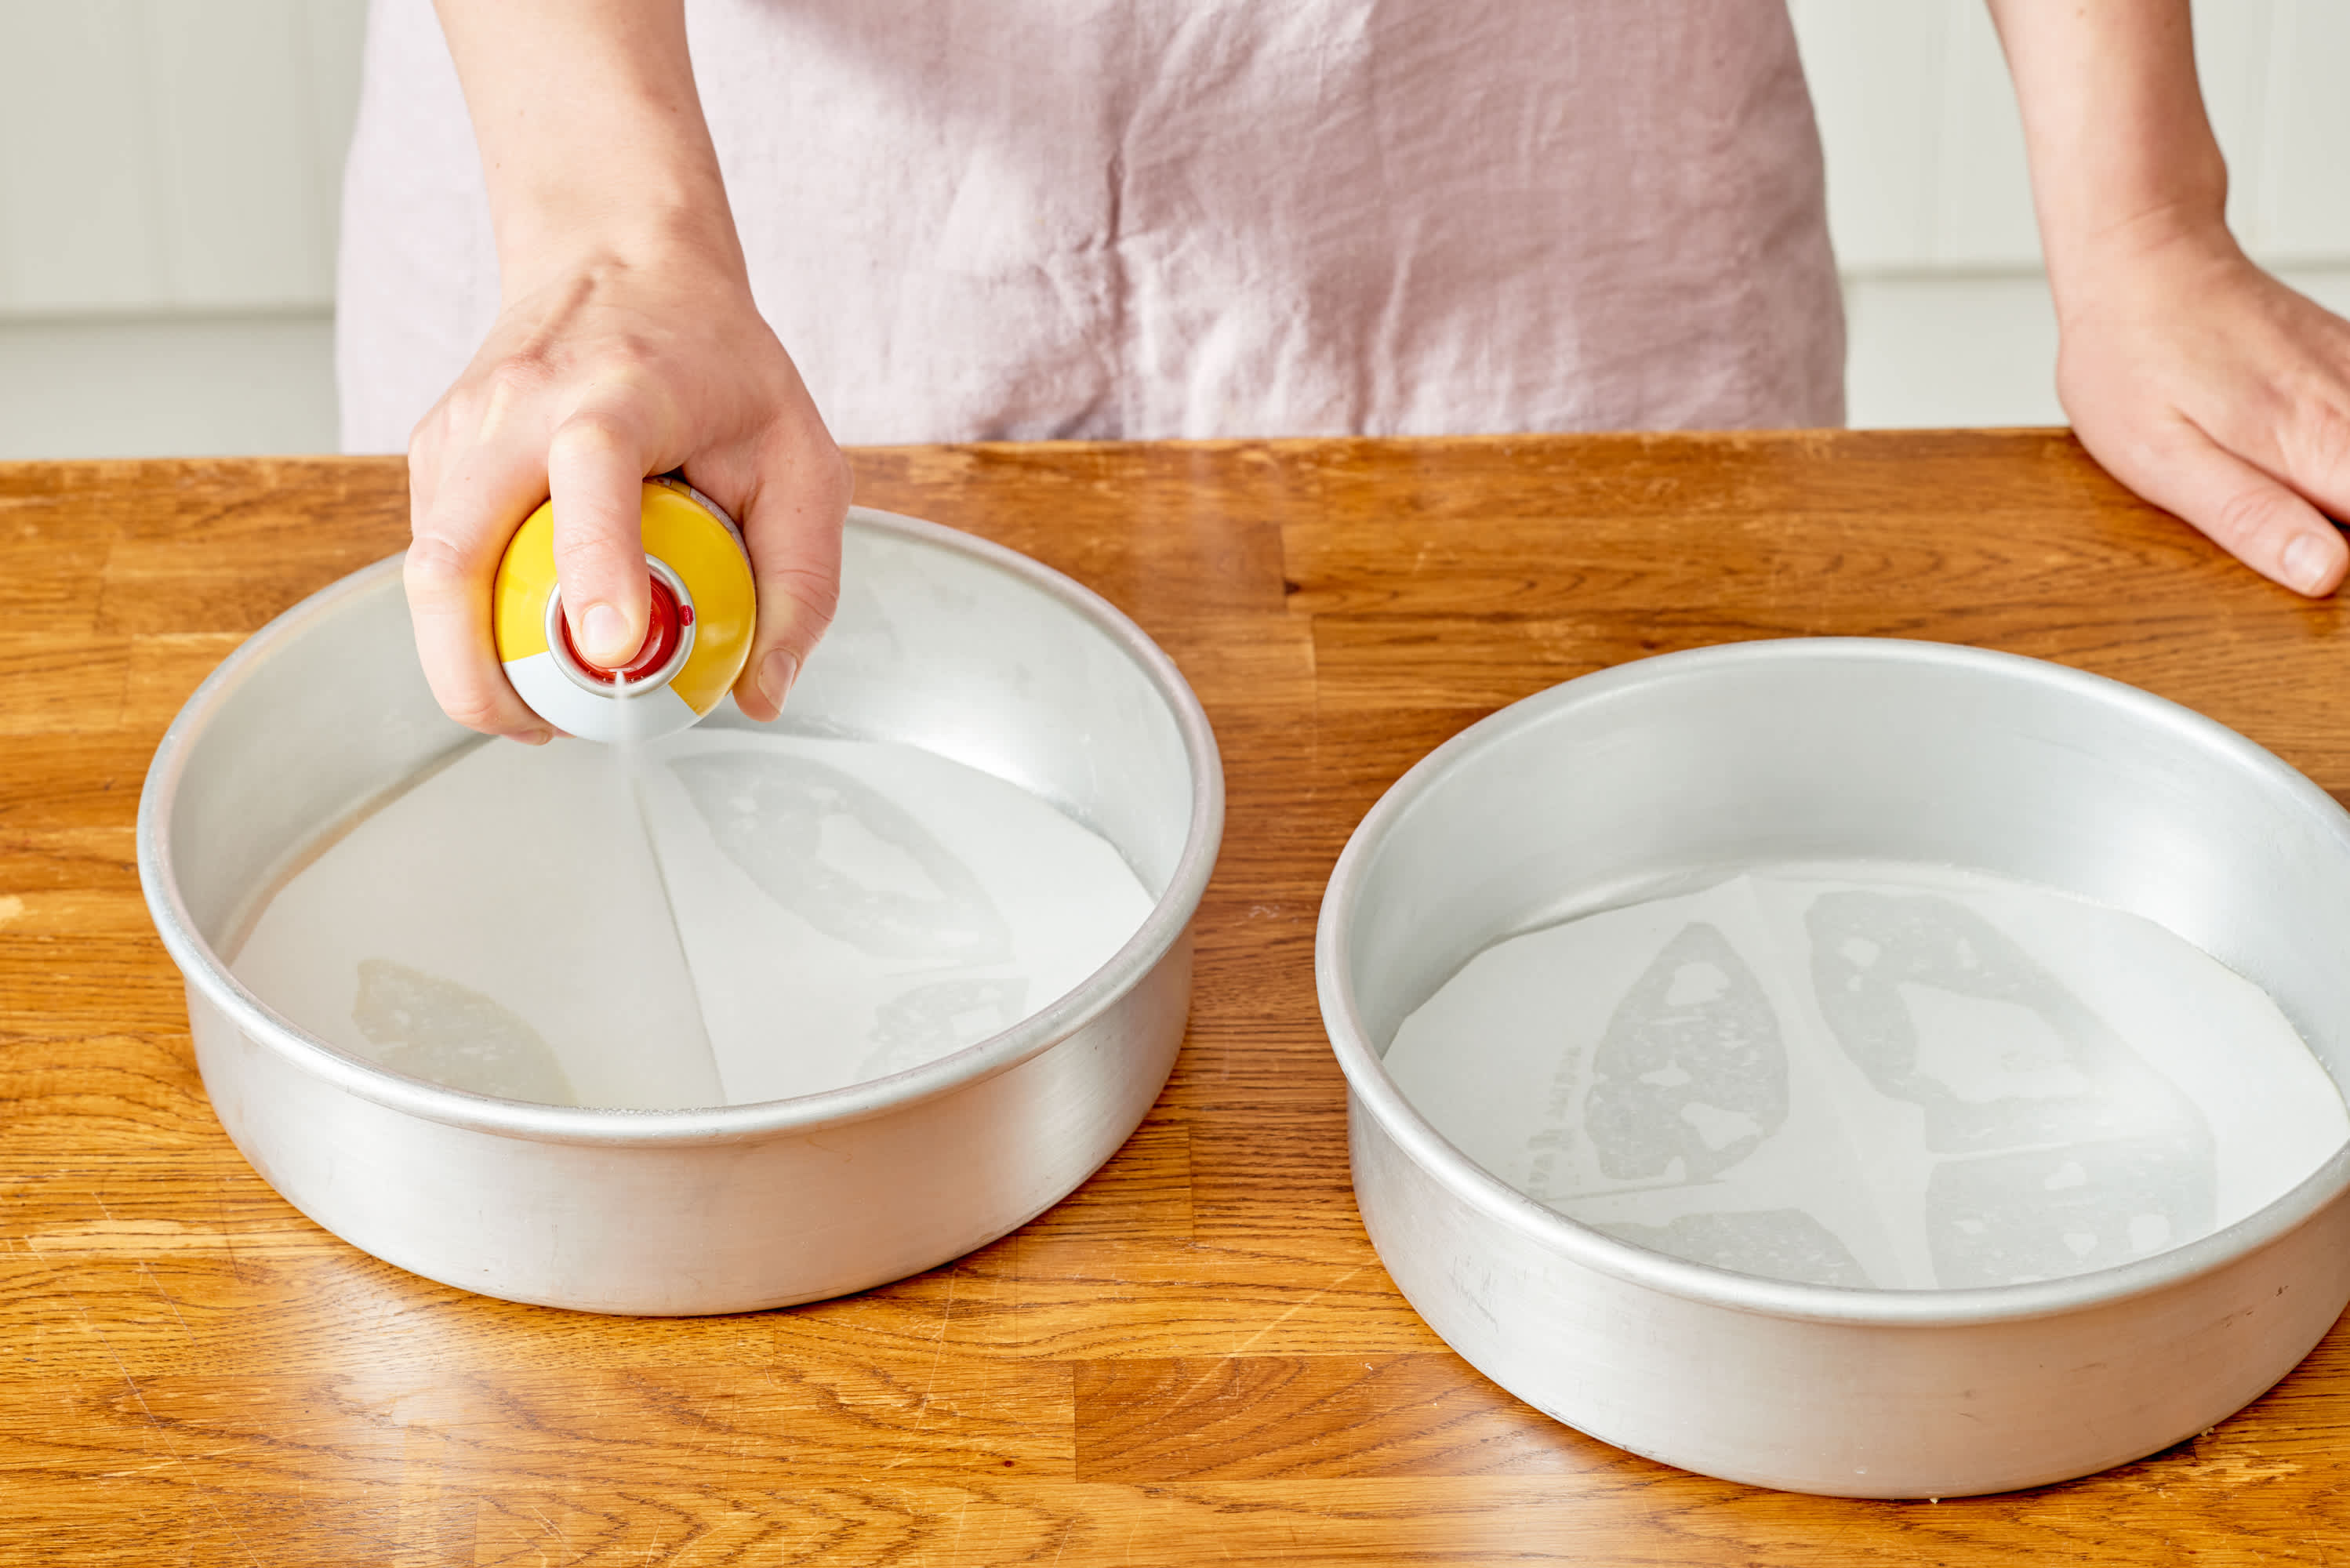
(169, 173)
(169, 179)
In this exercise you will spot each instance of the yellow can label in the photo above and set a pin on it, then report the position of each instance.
(683, 531)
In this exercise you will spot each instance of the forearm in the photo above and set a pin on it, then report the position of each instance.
(592, 138)
(2197, 380)
(2123, 159)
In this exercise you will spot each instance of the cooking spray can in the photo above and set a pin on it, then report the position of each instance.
(703, 612)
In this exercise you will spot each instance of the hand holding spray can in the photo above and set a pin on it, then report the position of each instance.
(704, 610)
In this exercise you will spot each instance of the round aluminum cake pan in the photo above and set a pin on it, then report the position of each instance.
(944, 641)
(1664, 774)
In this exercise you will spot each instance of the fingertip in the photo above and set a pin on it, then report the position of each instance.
(2313, 562)
(605, 636)
(766, 682)
(2245, 510)
(777, 673)
(795, 607)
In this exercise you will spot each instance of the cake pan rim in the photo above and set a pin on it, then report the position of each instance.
(1439, 1160)
(1169, 919)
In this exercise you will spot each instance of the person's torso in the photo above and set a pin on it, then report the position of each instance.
(1029, 218)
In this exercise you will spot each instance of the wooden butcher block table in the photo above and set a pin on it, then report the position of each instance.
(1197, 1358)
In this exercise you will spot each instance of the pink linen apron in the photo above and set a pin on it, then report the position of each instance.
(1022, 219)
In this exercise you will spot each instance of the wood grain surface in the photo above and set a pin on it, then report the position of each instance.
(1198, 1357)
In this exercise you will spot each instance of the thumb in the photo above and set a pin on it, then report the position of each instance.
(595, 476)
(793, 529)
